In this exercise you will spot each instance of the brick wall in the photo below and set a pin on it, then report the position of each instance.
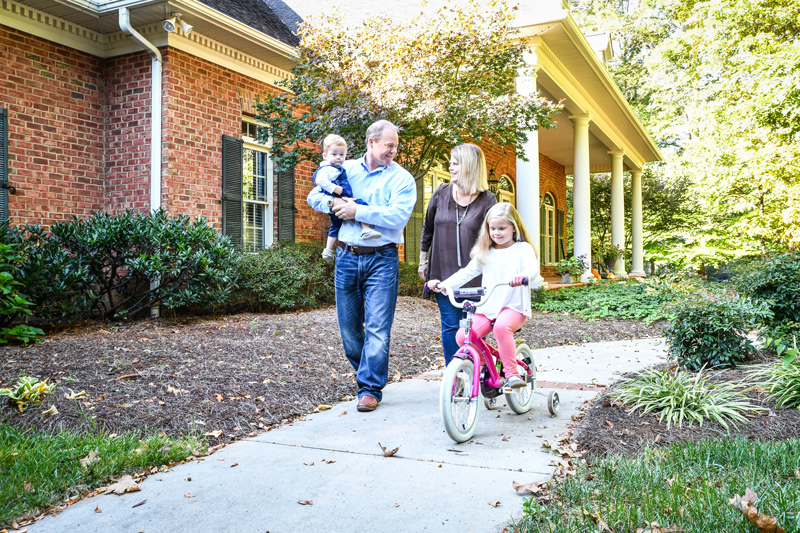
(55, 116)
(553, 180)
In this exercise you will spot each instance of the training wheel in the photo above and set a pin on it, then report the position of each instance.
(553, 403)
(490, 403)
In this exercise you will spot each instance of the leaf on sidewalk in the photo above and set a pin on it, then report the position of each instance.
(763, 522)
(388, 453)
(494, 503)
(533, 488)
(124, 484)
(305, 502)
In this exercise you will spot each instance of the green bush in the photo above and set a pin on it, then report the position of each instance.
(775, 281)
(410, 282)
(781, 381)
(709, 329)
(283, 277)
(13, 304)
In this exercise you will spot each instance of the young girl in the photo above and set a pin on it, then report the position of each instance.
(503, 254)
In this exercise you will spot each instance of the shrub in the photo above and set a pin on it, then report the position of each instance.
(781, 381)
(410, 282)
(676, 397)
(13, 304)
(775, 281)
(135, 260)
(283, 277)
(709, 329)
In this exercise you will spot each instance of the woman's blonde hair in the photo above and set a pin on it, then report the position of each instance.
(473, 167)
(507, 212)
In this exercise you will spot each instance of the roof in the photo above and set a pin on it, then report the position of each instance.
(270, 17)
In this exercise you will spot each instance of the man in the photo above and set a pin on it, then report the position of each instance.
(367, 272)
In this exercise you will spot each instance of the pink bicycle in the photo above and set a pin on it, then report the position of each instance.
(466, 381)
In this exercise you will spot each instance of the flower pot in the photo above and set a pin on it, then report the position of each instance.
(566, 278)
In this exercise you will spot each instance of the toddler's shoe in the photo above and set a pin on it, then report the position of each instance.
(370, 233)
(516, 382)
(328, 255)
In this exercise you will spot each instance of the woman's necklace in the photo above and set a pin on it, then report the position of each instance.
(459, 219)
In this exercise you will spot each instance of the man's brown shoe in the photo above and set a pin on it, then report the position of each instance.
(367, 403)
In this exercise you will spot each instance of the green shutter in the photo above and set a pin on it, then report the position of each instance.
(561, 248)
(232, 153)
(542, 233)
(286, 207)
(3, 164)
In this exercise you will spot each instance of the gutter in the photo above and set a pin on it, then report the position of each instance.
(155, 107)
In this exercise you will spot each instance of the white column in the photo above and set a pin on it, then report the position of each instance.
(581, 206)
(637, 260)
(528, 171)
(617, 209)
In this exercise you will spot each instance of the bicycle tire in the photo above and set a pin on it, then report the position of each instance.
(459, 411)
(521, 399)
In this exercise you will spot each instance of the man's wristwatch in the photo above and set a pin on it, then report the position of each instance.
(330, 204)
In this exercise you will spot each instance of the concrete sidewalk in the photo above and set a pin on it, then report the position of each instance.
(334, 460)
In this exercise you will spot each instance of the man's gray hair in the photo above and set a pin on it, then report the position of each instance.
(375, 131)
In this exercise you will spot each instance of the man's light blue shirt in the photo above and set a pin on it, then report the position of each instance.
(391, 194)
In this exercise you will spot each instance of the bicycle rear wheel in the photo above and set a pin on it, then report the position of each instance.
(521, 400)
(459, 411)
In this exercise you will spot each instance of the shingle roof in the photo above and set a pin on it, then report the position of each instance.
(271, 17)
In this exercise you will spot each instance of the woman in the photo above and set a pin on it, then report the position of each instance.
(455, 214)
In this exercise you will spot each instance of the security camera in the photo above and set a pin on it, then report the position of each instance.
(169, 24)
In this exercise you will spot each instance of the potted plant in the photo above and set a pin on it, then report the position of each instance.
(570, 269)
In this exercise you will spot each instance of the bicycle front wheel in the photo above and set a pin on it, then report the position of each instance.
(521, 400)
(459, 410)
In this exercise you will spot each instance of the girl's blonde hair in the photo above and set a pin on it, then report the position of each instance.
(333, 140)
(507, 212)
(473, 167)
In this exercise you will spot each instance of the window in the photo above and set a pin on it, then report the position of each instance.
(505, 190)
(547, 230)
(3, 164)
(247, 198)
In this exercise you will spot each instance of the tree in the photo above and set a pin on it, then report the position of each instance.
(444, 78)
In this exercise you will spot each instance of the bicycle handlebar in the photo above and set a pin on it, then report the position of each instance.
(472, 292)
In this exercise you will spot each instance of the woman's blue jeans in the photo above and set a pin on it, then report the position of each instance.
(366, 295)
(451, 316)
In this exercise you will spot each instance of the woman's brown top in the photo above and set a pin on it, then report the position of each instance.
(443, 238)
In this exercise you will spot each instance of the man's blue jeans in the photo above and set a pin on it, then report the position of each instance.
(451, 316)
(366, 295)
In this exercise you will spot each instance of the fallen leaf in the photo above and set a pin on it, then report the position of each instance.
(494, 503)
(331, 461)
(610, 424)
(50, 412)
(601, 525)
(533, 488)
(305, 502)
(654, 527)
(98, 510)
(138, 504)
(388, 453)
(234, 464)
(507, 438)
(124, 484)
(188, 495)
(74, 395)
(310, 463)
(90, 459)
(397, 376)
(27, 487)
(763, 522)
(324, 407)
(173, 390)
(216, 433)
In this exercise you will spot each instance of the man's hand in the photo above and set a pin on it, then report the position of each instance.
(345, 208)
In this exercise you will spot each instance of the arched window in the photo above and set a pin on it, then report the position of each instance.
(547, 230)
(505, 190)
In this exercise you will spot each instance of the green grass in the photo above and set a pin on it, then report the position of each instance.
(686, 485)
(637, 300)
(38, 471)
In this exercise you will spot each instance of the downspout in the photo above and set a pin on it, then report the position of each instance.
(155, 108)
(155, 123)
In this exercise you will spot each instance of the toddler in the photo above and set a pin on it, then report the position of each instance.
(332, 179)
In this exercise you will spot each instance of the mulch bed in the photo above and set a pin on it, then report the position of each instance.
(235, 374)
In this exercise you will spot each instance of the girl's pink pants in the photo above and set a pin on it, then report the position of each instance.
(506, 323)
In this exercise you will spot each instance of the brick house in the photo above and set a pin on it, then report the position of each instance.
(77, 135)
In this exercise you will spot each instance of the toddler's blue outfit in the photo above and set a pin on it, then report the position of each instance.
(327, 177)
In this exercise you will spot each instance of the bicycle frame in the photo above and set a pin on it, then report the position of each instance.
(475, 346)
